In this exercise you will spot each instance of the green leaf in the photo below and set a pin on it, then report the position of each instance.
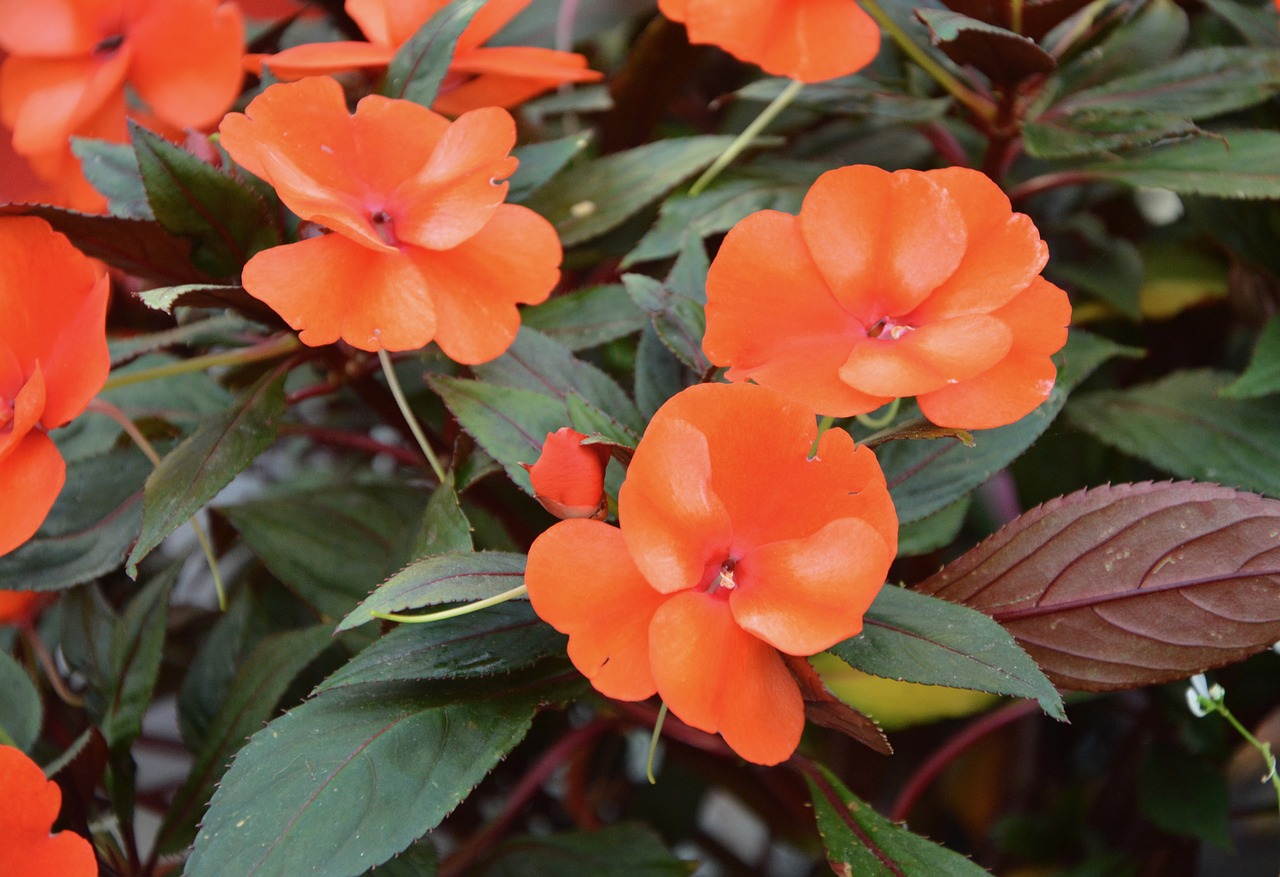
(200, 295)
(926, 476)
(1098, 262)
(1002, 55)
(419, 66)
(679, 321)
(209, 675)
(716, 210)
(350, 778)
(20, 710)
(331, 544)
(936, 531)
(1246, 166)
(659, 374)
(136, 647)
(1143, 41)
(445, 527)
(536, 362)
(1088, 132)
(598, 196)
(1256, 22)
(419, 860)
(497, 641)
(1195, 85)
(539, 162)
(510, 424)
(90, 527)
(226, 220)
(444, 578)
(586, 317)
(112, 169)
(1184, 794)
(1183, 425)
(861, 842)
(258, 686)
(913, 637)
(625, 850)
(194, 472)
(1262, 377)
(852, 96)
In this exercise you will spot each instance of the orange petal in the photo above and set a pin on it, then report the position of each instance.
(317, 59)
(54, 28)
(883, 241)
(476, 285)
(44, 100)
(529, 62)
(20, 607)
(394, 139)
(300, 138)
(772, 318)
(32, 473)
(569, 474)
(186, 60)
(805, 595)
(455, 194)
(1022, 380)
(582, 582)
(392, 22)
(717, 677)
(927, 358)
(53, 303)
(22, 412)
(331, 287)
(29, 804)
(492, 17)
(676, 528)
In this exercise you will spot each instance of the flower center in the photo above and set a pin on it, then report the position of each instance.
(385, 227)
(890, 329)
(108, 46)
(723, 580)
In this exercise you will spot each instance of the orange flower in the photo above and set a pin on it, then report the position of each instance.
(806, 40)
(21, 607)
(53, 360)
(29, 804)
(889, 285)
(70, 62)
(423, 248)
(734, 545)
(568, 478)
(502, 76)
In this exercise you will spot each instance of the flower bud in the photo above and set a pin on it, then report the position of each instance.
(21, 607)
(568, 478)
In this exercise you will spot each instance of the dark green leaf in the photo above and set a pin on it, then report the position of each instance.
(445, 527)
(1095, 261)
(926, 476)
(716, 210)
(659, 374)
(679, 321)
(194, 472)
(852, 96)
(90, 528)
(861, 842)
(614, 851)
(497, 640)
(510, 424)
(419, 860)
(20, 710)
(1183, 425)
(1246, 166)
(589, 420)
(444, 578)
(112, 169)
(539, 162)
(209, 675)
(1262, 377)
(1145, 40)
(916, 638)
(199, 295)
(1088, 132)
(135, 246)
(258, 686)
(1184, 794)
(1004, 56)
(936, 531)
(597, 196)
(331, 544)
(88, 624)
(226, 220)
(1256, 22)
(586, 317)
(419, 66)
(352, 777)
(136, 647)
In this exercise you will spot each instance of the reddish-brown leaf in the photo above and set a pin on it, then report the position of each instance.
(1130, 584)
(823, 708)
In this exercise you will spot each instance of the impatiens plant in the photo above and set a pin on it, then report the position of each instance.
(632, 438)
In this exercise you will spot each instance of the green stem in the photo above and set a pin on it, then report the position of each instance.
(394, 383)
(979, 105)
(748, 135)
(891, 411)
(104, 407)
(267, 350)
(823, 425)
(1263, 748)
(653, 744)
(5, 739)
(454, 612)
(1015, 16)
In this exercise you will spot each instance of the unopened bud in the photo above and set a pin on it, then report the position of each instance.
(568, 478)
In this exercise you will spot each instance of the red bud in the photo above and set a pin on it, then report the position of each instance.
(568, 478)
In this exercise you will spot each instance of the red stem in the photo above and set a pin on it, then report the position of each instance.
(467, 854)
(942, 758)
(354, 441)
